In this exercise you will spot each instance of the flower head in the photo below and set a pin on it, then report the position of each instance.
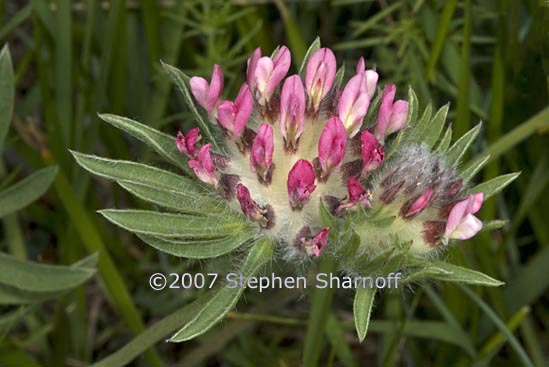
(319, 76)
(265, 73)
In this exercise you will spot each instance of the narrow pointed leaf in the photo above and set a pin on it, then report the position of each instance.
(198, 249)
(460, 274)
(494, 185)
(7, 93)
(137, 173)
(476, 165)
(26, 191)
(161, 143)
(444, 143)
(312, 48)
(173, 225)
(225, 298)
(338, 79)
(458, 149)
(433, 130)
(362, 308)
(185, 203)
(35, 277)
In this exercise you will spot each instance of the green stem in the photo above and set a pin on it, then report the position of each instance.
(540, 121)
(321, 305)
(153, 334)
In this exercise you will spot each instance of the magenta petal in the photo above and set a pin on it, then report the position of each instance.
(461, 223)
(234, 116)
(216, 87)
(203, 166)
(355, 189)
(200, 90)
(467, 228)
(320, 74)
(226, 114)
(301, 183)
(372, 151)
(252, 66)
(353, 104)
(261, 156)
(248, 206)
(399, 113)
(332, 145)
(477, 202)
(292, 110)
(385, 109)
(316, 245)
(420, 203)
(186, 144)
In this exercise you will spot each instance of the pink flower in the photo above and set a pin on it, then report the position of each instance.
(360, 65)
(292, 110)
(353, 104)
(301, 183)
(420, 203)
(392, 116)
(264, 74)
(357, 194)
(319, 77)
(203, 166)
(462, 224)
(234, 116)
(332, 145)
(187, 143)
(369, 82)
(206, 94)
(261, 156)
(372, 152)
(314, 246)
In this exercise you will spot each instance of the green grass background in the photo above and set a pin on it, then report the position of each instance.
(73, 59)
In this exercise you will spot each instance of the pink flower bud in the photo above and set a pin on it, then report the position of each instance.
(372, 152)
(206, 94)
(314, 246)
(203, 166)
(332, 145)
(187, 143)
(392, 116)
(319, 77)
(462, 224)
(261, 156)
(292, 110)
(419, 204)
(264, 73)
(353, 104)
(357, 194)
(301, 183)
(234, 116)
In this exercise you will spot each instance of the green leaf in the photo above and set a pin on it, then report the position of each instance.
(444, 143)
(413, 108)
(411, 121)
(494, 185)
(127, 171)
(181, 81)
(312, 48)
(34, 277)
(362, 308)
(227, 296)
(192, 204)
(474, 166)
(493, 224)
(423, 124)
(199, 248)
(173, 225)
(7, 93)
(338, 79)
(458, 149)
(161, 143)
(458, 274)
(424, 273)
(432, 132)
(26, 191)
(336, 335)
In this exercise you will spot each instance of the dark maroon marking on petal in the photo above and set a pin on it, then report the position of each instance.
(331, 203)
(453, 189)
(433, 232)
(318, 171)
(268, 177)
(302, 233)
(355, 146)
(220, 161)
(246, 140)
(389, 195)
(445, 210)
(269, 215)
(227, 185)
(351, 169)
(389, 178)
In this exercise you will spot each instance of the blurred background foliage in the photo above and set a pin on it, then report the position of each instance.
(73, 59)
